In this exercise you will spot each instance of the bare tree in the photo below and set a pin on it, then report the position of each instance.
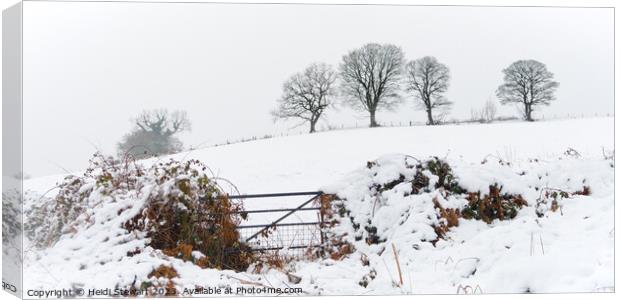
(486, 114)
(306, 95)
(489, 111)
(428, 80)
(162, 122)
(475, 116)
(154, 134)
(370, 78)
(527, 83)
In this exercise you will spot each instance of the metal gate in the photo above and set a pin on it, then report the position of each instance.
(286, 235)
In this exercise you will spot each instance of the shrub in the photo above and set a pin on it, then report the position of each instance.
(49, 219)
(493, 205)
(449, 217)
(159, 284)
(550, 199)
(433, 175)
(11, 217)
(182, 209)
(443, 171)
(187, 211)
(335, 209)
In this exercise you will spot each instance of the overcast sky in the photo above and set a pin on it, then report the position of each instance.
(90, 67)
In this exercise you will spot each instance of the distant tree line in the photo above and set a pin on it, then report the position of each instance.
(377, 77)
(370, 79)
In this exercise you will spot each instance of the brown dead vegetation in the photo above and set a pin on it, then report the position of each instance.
(487, 207)
(164, 271)
(186, 211)
(448, 218)
(550, 199)
(271, 260)
(192, 215)
(159, 283)
(585, 191)
(493, 206)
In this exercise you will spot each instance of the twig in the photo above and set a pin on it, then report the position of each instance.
(467, 289)
(243, 281)
(388, 270)
(400, 274)
(541, 245)
(477, 259)
(445, 263)
(374, 205)
(478, 288)
(464, 289)
(412, 157)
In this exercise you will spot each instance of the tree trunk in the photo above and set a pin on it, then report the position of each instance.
(312, 126)
(373, 121)
(429, 114)
(528, 113)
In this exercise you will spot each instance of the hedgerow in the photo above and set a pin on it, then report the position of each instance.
(182, 210)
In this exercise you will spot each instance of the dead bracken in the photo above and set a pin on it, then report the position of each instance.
(186, 212)
(486, 206)
(494, 205)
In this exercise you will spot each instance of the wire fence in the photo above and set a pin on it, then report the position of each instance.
(401, 123)
(285, 235)
(289, 239)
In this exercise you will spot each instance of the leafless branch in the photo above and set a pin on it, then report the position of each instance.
(528, 84)
(370, 78)
(428, 79)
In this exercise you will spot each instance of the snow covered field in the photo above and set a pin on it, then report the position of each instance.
(309, 162)
(571, 251)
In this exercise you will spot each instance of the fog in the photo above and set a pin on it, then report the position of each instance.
(90, 67)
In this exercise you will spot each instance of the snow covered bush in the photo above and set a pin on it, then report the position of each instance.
(494, 205)
(551, 199)
(174, 206)
(11, 229)
(11, 216)
(443, 219)
(186, 211)
(424, 194)
(48, 219)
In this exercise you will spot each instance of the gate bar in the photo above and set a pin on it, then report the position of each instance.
(317, 193)
(274, 210)
(283, 224)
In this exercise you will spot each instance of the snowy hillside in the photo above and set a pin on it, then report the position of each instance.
(309, 162)
(562, 246)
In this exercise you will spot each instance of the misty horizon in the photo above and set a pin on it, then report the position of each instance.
(226, 66)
